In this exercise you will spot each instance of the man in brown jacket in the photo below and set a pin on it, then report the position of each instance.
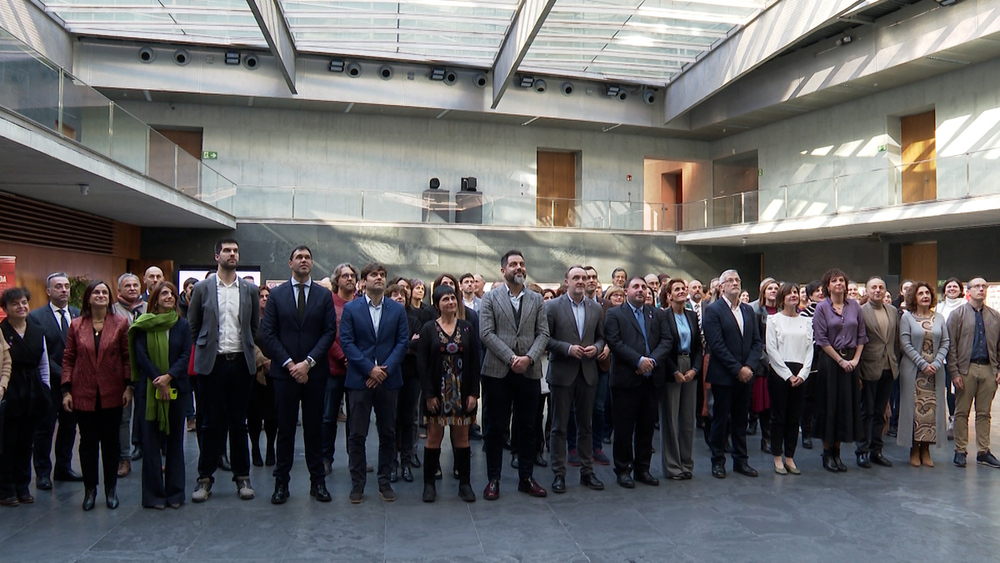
(879, 368)
(974, 329)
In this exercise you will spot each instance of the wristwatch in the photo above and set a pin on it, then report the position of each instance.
(311, 362)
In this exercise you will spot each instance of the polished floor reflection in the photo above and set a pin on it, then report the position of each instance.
(895, 514)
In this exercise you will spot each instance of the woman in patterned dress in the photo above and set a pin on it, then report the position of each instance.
(448, 364)
(924, 342)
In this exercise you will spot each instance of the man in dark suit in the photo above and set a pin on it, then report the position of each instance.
(373, 334)
(734, 341)
(55, 320)
(224, 314)
(639, 340)
(299, 326)
(576, 337)
(514, 332)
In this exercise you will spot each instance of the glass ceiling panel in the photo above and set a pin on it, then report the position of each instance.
(217, 22)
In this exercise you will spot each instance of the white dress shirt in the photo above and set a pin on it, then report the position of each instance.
(737, 312)
(375, 310)
(228, 296)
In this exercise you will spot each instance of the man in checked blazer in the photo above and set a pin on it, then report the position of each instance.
(224, 314)
(576, 337)
(514, 332)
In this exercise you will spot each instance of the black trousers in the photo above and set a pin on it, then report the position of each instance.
(636, 411)
(407, 404)
(361, 403)
(223, 404)
(335, 395)
(874, 399)
(159, 487)
(513, 393)
(288, 395)
(99, 434)
(732, 405)
(15, 458)
(786, 410)
(65, 437)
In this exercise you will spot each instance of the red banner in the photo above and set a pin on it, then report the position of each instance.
(6, 277)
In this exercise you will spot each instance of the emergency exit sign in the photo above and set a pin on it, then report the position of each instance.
(209, 155)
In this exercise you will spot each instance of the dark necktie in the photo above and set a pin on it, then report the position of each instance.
(63, 325)
(302, 298)
(642, 327)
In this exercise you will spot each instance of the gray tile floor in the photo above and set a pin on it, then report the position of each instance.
(895, 514)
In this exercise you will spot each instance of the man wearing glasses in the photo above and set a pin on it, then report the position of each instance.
(345, 281)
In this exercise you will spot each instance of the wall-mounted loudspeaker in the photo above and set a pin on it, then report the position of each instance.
(182, 57)
(385, 72)
(250, 61)
(353, 70)
(147, 55)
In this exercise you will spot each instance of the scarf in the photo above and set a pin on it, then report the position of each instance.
(948, 305)
(157, 328)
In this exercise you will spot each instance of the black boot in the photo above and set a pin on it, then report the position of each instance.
(432, 459)
(111, 496)
(828, 462)
(255, 456)
(463, 465)
(752, 426)
(89, 498)
(835, 452)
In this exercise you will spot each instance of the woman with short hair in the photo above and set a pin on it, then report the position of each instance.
(789, 345)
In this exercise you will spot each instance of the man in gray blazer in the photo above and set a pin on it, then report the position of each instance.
(224, 314)
(576, 337)
(879, 368)
(514, 331)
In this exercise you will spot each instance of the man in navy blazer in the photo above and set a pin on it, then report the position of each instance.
(638, 374)
(299, 326)
(55, 319)
(734, 342)
(373, 335)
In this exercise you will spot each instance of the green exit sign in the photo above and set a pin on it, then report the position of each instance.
(760, 172)
(209, 155)
(882, 148)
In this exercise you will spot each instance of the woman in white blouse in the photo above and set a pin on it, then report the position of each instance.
(789, 345)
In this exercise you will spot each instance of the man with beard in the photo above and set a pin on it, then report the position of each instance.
(224, 314)
(129, 306)
(345, 280)
(374, 334)
(298, 328)
(514, 333)
(879, 368)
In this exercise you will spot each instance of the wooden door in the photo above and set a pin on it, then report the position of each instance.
(138, 267)
(670, 188)
(180, 169)
(920, 262)
(556, 195)
(919, 175)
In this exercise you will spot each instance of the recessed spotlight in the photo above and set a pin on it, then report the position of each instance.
(182, 57)
(147, 55)
(539, 86)
(479, 80)
(354, 70)
(385, 72)
(251, 62)
(566, 88)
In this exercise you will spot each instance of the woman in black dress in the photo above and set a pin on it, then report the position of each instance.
(448, 363)
(26, 395)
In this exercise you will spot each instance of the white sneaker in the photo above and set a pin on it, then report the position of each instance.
(243, 488)
(202, 490)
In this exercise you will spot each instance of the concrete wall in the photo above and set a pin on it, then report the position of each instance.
(426, 252)
(25, 21)
(327, 157)
(833, 153)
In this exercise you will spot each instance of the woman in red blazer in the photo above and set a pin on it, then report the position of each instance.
(96, 386)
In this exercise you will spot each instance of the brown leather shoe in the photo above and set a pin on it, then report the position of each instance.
(531, 487)
(492, 490)
(124, 468)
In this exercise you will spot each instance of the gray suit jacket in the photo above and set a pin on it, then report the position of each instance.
(879, 345)
(563, 333)
(503, 338)
(203, 316)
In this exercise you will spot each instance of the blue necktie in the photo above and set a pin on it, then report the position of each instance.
(642, 327)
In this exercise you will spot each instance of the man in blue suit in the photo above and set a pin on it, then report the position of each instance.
(299, 326)
(735, 343)
(55, 320)
(373, 334)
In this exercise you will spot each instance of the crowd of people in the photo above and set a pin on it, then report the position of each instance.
(562, 371)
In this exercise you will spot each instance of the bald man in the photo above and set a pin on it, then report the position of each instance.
(152, 277)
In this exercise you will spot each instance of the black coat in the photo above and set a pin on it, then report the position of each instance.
(429, 363)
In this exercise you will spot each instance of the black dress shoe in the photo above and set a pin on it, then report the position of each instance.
(415, 461)
(255, 458)
(559, 484)
(68, 475)
(765, 445)
(514, 461)
(728, 448)
(111, 497)
(745, 469)
(531, 487)
(280, 493)
(318, 491)
(269, 458)
(719, 470)
(807, 442)
(540, 460)
(864, 461)
(687, 475)
(407, 474)
(327, 466)
(89, 498)
(646, 478)
(878, 459)
(137, 453)
(394, 476)
(752, 428)
(625, 480)
(43, 483)
(591, 481)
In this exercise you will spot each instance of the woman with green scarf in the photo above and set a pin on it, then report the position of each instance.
(160, 346)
